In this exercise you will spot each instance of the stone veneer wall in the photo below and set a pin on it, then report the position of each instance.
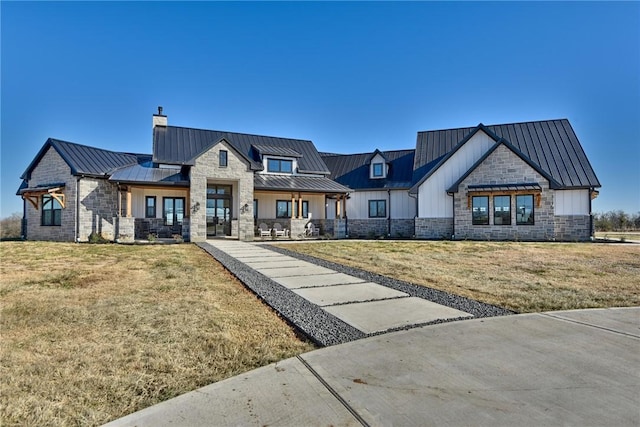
(52, 169)
(368, 228)
(403, 228)
(125, 229)
(237, 173)
(503, 166)
(98, 207)
(433, 228)
(576, 228)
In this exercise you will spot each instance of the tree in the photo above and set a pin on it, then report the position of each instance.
(11, 226)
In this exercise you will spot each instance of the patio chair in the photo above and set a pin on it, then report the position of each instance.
(263, 230)
(280, 232)
(312, 230)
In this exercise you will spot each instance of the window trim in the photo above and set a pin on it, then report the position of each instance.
(473, 216)
(279, 168)
(221, 163)
(533, 209)
(377, 203)
(55, 219)
(146, 206)
(175, 215)
(501, 216)
(373, 170)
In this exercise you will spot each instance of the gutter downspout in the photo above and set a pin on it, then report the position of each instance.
(414, 196)
(76, 236)
(453, 219)
(389, 213)
(592, 233)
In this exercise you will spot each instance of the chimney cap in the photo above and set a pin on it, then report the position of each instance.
(159, 113)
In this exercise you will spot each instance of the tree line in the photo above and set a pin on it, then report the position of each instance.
(616, 221)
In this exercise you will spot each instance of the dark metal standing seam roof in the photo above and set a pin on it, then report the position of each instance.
(352, 170)
(552, 145)
(144, 172)
(84, 160)
(297, 183)
(179, 145)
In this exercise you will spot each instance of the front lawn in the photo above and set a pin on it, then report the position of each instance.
(91, 333)
(525, 277)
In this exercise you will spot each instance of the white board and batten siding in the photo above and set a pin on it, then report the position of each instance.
(571, 202)
(433, 201)
(402, 206)
(138, 199)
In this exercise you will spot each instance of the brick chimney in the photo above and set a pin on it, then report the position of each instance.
(159, 119)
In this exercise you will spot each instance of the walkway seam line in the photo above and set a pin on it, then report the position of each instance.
(333, 392)
(558, 317)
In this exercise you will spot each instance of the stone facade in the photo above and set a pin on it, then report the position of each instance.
(52, 169)
(368, 228)
(238, 174)
(433, 228)
(503, 166)
(97, 208)
(125, 229)
(574, 228)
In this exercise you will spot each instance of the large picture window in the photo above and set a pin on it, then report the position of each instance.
(150, 207)
(377, 208)
(480, 210)
(173, 212)
(51, 211)
(524, 210)
(280, 165)
(502, 210)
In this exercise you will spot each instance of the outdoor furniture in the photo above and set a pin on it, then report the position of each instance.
(280, 232)
(311, 230)
(264, 231)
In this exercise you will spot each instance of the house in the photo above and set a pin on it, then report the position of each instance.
(196, 184)
(518, 181)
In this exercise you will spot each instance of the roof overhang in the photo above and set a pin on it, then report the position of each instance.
(32, 194)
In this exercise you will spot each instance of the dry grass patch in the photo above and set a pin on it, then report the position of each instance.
(93, 332)
(525, 277)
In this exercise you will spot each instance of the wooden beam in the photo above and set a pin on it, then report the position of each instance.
(299, 205)
(128, 203)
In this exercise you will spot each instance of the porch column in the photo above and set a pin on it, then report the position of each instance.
(128, 203)
(293, 203)
(119, 202)
(338, 207)
(299, 205)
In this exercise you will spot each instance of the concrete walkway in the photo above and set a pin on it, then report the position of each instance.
(576, 368)
(365, 306)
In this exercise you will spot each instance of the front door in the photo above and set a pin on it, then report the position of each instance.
(218, 210)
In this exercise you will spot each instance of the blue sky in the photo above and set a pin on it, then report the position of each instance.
(352, 77)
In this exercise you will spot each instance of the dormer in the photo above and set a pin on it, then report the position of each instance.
(378, 165)
(278, 160)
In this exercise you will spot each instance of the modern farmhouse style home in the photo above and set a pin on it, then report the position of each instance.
(522, 181)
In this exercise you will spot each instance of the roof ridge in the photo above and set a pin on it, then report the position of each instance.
(94, 148)
(324, 154)
(239, 133)
(495, 124)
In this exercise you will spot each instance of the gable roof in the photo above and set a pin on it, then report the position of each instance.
(181, 146)
(552, 183)
(82, 159)
(550, 145)
(352, 170)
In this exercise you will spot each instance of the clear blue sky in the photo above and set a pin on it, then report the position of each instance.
(352, 77)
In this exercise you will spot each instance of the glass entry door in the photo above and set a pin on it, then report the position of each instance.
(218, 210)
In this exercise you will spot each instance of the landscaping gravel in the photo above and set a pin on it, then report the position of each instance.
(319, 326)
(323, 328)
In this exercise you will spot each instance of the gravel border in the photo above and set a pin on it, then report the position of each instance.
(323, 328)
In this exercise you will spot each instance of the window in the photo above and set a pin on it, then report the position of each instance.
(377, 208)
(173, 210)
(223, 158)
(150, 207)
(524, 209)
(502, 210)
(51, 211)
(378, 170)
(283, 208)
(480, 210)
(280, 165)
